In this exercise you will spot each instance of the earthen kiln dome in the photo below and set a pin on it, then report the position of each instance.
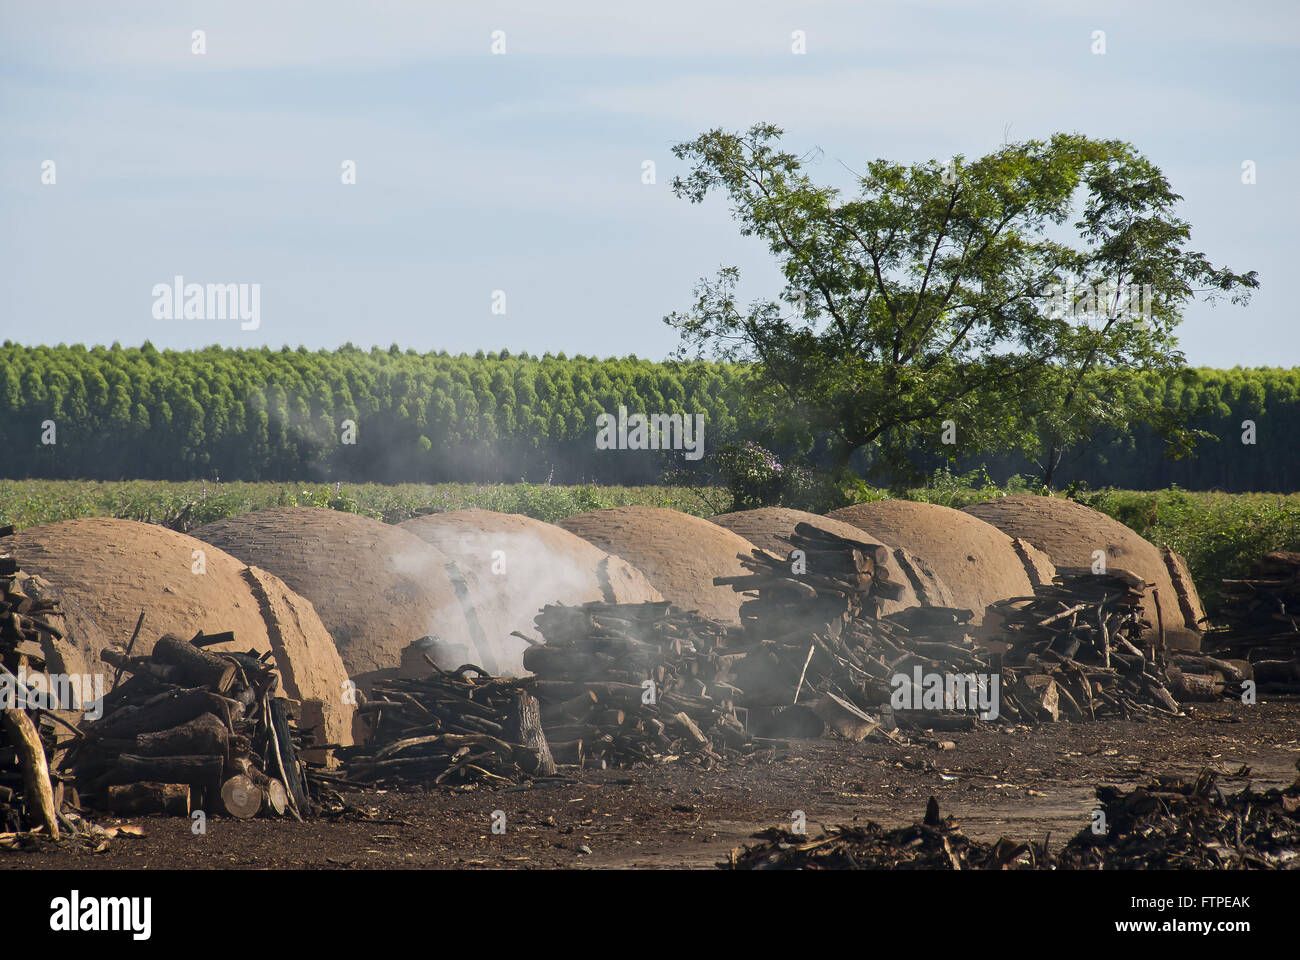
(678, 553)
(106, 571)
(1070, 533)
(976, 561)
(377, 588)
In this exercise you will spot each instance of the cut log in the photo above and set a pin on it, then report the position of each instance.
(173, 709)
(275, 799)
(204, 735)
(148, 798)
(1040, 692)
(525, 727)
(548, 661)
(1278, 672)
(576, 708)
(569, 752)
(687, 726)
(195, 664)
(1194, 686)
(275, 796)
(240, 797)
(286, 759)
(625, 695)
(197, 771)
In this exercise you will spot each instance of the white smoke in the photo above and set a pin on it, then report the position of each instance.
(510, 576)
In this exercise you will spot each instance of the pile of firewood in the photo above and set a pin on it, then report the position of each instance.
(814, 652)
(1260, 618)
(1085, 652)
(192, 730)
(1073, 651)
(458, 729)
(33, 738)
(613, 684)
(1175, 824)
(825, 578)
(936, 843)
(636, 682)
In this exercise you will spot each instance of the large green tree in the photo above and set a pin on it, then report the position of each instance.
(993, 294)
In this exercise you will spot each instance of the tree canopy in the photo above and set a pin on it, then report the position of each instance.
(978, 304)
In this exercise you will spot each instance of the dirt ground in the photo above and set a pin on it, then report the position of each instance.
(1022, 783)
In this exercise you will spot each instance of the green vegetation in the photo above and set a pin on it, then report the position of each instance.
(183, 506)
(277, 415)
(281, 415)
(1219, 534)
(1007, 301)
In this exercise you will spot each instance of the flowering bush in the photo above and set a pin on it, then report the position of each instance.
(752, 473)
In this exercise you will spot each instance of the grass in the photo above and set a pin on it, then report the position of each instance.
(1220, 534)
(185, 505)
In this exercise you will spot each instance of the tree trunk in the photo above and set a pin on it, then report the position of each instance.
(525, 727)
(1054, 454)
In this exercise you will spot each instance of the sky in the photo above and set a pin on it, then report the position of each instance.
(522, 171)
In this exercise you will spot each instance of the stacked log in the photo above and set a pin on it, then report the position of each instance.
(1086, 634)
(457, 729)
(39, 718)
(1075, 650)
(624, 683)
(1260, 618)
(33, 733)
(824, 578)
(817, 655)
(193, 730)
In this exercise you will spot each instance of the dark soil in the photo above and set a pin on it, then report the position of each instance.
(1020, 783)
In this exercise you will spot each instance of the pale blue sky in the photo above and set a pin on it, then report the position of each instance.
(523, 172)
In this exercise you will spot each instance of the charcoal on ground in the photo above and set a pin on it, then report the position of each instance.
(1174, 823)
(934, 843)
